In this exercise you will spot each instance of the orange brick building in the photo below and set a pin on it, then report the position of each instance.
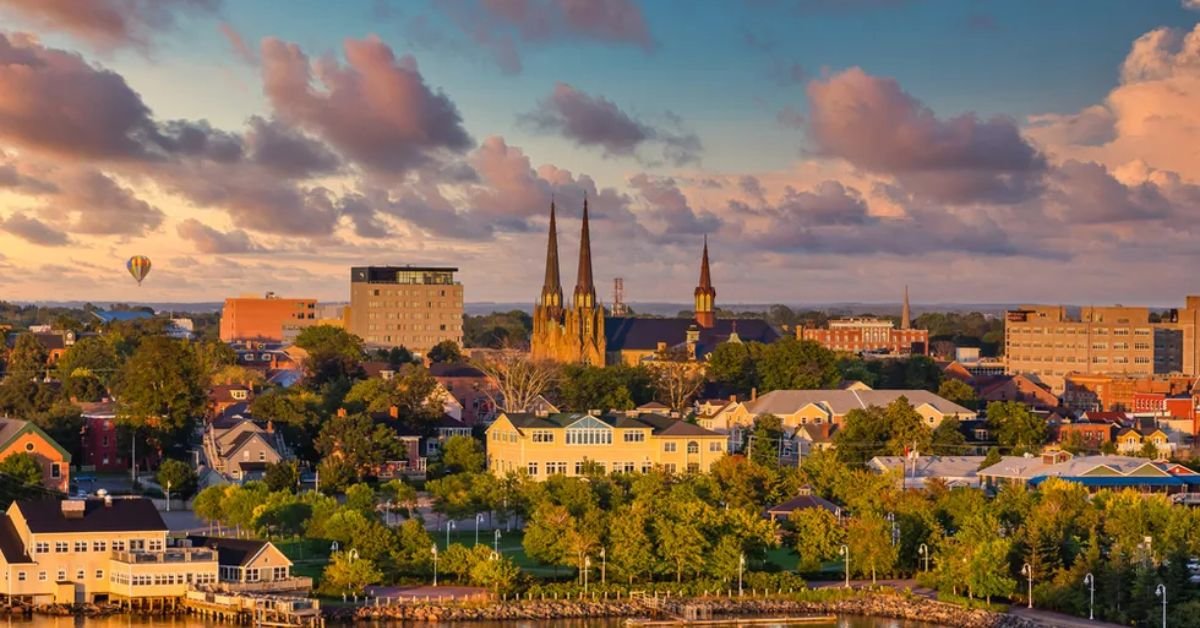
(23, 437)
(1085, 392)
(268, 318)
(857, 335)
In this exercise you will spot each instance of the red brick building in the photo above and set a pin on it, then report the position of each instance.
(858, 335)
(99, 438)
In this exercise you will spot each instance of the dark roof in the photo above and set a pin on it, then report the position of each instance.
(802, 502)
(10, 543)
(646, 333)
(449, 422)
(122, 515)
(230, 551)
(659, 424)
(224, 392)
(459, 369)
(253, 465)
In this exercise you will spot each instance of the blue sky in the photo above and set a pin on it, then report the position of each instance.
(1017, 115)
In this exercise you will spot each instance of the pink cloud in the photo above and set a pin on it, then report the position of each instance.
(108, 24)
(209, 240)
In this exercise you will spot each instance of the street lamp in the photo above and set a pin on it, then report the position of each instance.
(450, 525)
(587, 564)
(741, 568)
(603, 565)
(1090, 581)
(891, 517)
(924, 552)
(478, 519)
(1027, 571)
(168, 496)
(353, 555)
(1161, 591)
(845, 551)
(496, 541)
(434, 550)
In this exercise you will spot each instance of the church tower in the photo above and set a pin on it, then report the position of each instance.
(572, 334)
(552, 296)
(706, 294)
(905, 314)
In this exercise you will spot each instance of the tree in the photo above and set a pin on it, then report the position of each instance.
(445, 352)
(282, 476)
(818, 536)
(1015, 426)
(993, 456)
(680, 539)
(731, 364)
(179, 476)
(948, 439)
(765, 440)
(518, 379)
(907, 430)
(863, 435)
(412, 391)
(335, 474)
(297, 412)
(234, 374)
(160, 390)
(22, 468)
(677, 379)
(618, 387)
(209, 504)
(789, 364)
(631, 552)
(463, 454)
(496, 572)
(333, 355)
(987, 569)
(869, 537)
(1150, 450)
(27, 358)
(358, 441)
(91, 357)
(349, 573)
(957, 391)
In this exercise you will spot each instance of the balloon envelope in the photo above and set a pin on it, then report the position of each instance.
(139, 267)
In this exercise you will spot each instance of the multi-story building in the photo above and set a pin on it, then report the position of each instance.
(1084, 392)
(796, 408)
(19, 437)
(269, 318)
(868, 335)
(80, 551)
(405, 306)
(580, 444)
(99, 438)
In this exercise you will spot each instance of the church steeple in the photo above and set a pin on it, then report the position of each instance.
(705, 294)
(905, 314)
(585, 291)
(552, 296)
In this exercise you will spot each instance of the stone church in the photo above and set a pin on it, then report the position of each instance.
(581, 333)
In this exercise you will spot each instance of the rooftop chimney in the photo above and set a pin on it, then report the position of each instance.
(73, 508)
(394, 412)
(341, 412)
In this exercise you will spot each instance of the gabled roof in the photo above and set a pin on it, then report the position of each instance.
(645, 333)
(660, 425)
(11, 429)
(231, 552)
(121, 515)
(784, 402)
(460, 369)
(931, 466)
(10, 543)
(817, 432)
(802, 502)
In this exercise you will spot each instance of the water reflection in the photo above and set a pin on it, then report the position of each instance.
(188, 622)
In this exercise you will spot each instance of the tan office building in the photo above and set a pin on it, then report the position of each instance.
(405, 306)
(268, 318)
(579, 444)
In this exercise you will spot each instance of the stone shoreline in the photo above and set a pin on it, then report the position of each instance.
(890, 606)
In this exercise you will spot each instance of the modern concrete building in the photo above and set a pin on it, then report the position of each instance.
(269, 318)
(579, 444)
(405, 306)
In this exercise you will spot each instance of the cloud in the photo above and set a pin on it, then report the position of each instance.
(238, 44)
(872, 123)
(92, 202)
(595, 121)
(209, 240)
(288, 152)
(670, 207)
(108, 24)
(1191, 4)
(375, 109)
(33, 230)
(13, 178)
(498, 25)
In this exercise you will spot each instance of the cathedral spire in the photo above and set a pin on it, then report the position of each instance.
(905, 313)
(552, 287)
(585, 291)
(705, 294)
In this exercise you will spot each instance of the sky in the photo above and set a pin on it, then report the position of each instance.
(831, 150)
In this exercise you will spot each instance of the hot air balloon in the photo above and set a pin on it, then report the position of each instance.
(139, 267)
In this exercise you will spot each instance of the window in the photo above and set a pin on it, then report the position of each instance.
(41, 575)
(81, 546)
(41, 547)
(20, 576)
(98, 546)
(647, 466)
(99, 574)
(80, 574)
(137, 545)
(635, 436)
(543, 436)
(156, 545)
(532, 469)
(693, 447)
(669, 447)
(714, 446)
(118, 546)
(556, 468)
(669, 467)
(28, 446)
(62, 575)
(61, 547)
(589, 436)
(693, 467)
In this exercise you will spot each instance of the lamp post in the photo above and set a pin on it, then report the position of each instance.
(449, 526)
(496, 542)
(924, 552)
(891, 517)
(434, 550)
(1161, 591)
(1027, 571)
(587, 564)
(478, 519)
(845, 551)
(603, 565)
(168, 496)
(1090, 581)
(741, 568)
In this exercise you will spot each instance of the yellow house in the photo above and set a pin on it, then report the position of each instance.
(580, 444)
(75, 550)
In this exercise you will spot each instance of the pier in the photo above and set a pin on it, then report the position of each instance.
(257, 610)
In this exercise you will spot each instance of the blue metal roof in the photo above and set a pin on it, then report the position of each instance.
(1109, 481)
(125, 315)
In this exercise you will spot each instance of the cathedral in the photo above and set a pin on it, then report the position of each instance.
(581, 333)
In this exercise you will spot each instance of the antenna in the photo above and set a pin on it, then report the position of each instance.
(618, 304)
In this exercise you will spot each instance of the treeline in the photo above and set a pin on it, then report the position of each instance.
(22, 317)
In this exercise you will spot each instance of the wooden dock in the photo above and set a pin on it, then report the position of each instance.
(733, 621)
(258, 610)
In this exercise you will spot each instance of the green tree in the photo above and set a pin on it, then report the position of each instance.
(789, 364)
(907, 430)
(179, 476)
(334, 355)
(90, 357)
(335, 473)
(958, 391)
(618, 387)
(463, 454)
(348, 573)
(445, 352)
(22, 468)
(209, 504)
(27, 358)
(863, 435)
(818, 536)
(412, 391)
(361, 497)
(993, 456)
(1015, 426)
(282, 476)
(286, 519)
(631, 551)
(411, 552)
(497, 572)
(680, 539)
(546, 534)
(296, 412)
(869, 537)
(361, 443)
(948, 439)
(765, 440)
(160, 391)
(987, 569)
(1149, 450)
(732, 364)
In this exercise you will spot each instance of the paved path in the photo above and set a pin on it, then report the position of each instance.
(1057, 619)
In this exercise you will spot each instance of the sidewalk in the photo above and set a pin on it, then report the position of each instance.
(1057, 619)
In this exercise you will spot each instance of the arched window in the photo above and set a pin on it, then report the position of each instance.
(693, 447)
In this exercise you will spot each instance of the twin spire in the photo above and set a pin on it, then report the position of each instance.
(585, 289)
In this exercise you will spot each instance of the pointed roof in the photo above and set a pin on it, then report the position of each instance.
(705, 275)
(552, 285)
(583, 284)
(905, 314)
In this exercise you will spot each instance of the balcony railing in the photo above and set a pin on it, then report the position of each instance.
(294, 583)
(172, 555)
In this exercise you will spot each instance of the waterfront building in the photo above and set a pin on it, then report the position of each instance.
(1093, 472)
(415, 307)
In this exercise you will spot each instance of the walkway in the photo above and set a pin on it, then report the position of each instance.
(1057, 619)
